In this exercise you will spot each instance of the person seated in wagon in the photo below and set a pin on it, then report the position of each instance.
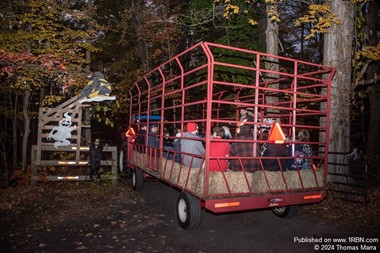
(302, 152)
(191, 146)
(244, 151)
(218, 149)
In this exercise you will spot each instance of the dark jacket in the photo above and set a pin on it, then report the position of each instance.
(274, 150)
(95, 156)
(140, 139)
(153, 141)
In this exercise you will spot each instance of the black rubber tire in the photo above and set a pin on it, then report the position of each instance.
(188, 211)
(285, 211)
(138, 180)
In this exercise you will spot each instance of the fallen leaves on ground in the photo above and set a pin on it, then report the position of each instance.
(337, 207)
(91, 217)
(83, 216)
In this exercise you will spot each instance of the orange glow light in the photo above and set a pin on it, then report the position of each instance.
(130, 132)
(313, 196)
(227, 204)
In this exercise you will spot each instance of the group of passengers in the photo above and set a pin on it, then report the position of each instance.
(189, 149)
(240, 152)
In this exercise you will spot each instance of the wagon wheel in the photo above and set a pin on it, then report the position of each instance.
(285, 211)
(137, 180)
(188, 211)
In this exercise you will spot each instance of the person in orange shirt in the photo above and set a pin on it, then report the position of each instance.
(218, 149)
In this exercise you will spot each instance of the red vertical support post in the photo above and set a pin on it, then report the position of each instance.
(294, 105)
(162, 111)
(257, 89)
(182, 90)
(210, 81)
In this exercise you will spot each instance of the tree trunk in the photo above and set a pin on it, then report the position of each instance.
(272, 41)
(262, 25)
(14, 133)
(373, 140)
(337, 54)
(25, 138)
(373, 147)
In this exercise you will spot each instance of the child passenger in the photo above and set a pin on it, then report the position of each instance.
(218, 149)
(302, 152)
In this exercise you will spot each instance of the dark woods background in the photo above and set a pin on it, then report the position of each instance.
(49, 48)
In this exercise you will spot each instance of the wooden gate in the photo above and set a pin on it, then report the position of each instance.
(53, 160)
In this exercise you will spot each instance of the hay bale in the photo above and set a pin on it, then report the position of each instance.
(217, 184)
(233, 180)
(310, 180)
(238, 183)
(135, 159)
(179, 174)
(196, 181)
(292, 179)
(139, 159)
(173, 172)
(166, 169)
(273, 181)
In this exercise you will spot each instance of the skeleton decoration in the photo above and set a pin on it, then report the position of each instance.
(98, 89)
(62, 132)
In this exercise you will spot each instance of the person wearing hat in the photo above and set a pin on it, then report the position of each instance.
(153, 141)
(192, 147)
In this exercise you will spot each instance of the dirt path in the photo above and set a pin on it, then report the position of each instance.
(91, 217)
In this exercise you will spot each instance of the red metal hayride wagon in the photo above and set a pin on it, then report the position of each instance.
(208, 84)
